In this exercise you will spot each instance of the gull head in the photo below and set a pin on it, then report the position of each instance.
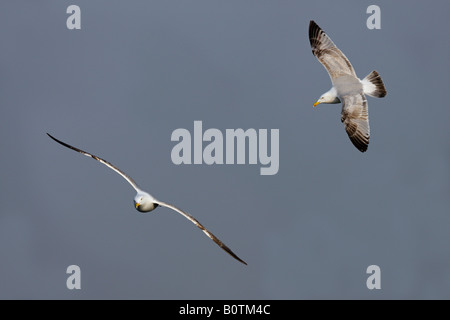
(328, 97)
(144, 202)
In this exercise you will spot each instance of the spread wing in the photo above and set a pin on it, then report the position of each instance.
(355, 116)
(328, 54)
(106, 163)
(198, 224)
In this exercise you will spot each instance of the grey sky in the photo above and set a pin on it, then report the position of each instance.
(138, 70)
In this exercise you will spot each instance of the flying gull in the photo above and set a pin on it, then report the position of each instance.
(347, 87)
(144, 202)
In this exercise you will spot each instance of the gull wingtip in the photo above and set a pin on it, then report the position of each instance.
(313, 24)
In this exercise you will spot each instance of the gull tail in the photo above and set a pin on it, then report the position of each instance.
(373, 85)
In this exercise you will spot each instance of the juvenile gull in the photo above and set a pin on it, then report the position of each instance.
(347, 87)
(144, 202)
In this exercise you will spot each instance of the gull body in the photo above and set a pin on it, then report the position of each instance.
(145, 202)
(347, 87)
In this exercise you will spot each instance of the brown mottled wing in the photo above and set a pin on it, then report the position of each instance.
(106, 163)
(355, 116)
(198, 224)
(328, 54)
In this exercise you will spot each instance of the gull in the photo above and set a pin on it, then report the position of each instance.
(347, 87)
(144, 202)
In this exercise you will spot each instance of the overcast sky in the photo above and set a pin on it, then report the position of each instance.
(138, 70)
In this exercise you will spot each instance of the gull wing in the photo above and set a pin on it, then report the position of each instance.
(106, 163)
(206, 231)
(328, 54)
(355, 116)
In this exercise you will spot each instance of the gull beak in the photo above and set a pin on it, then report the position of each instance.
(137, 204)
(315, 104)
